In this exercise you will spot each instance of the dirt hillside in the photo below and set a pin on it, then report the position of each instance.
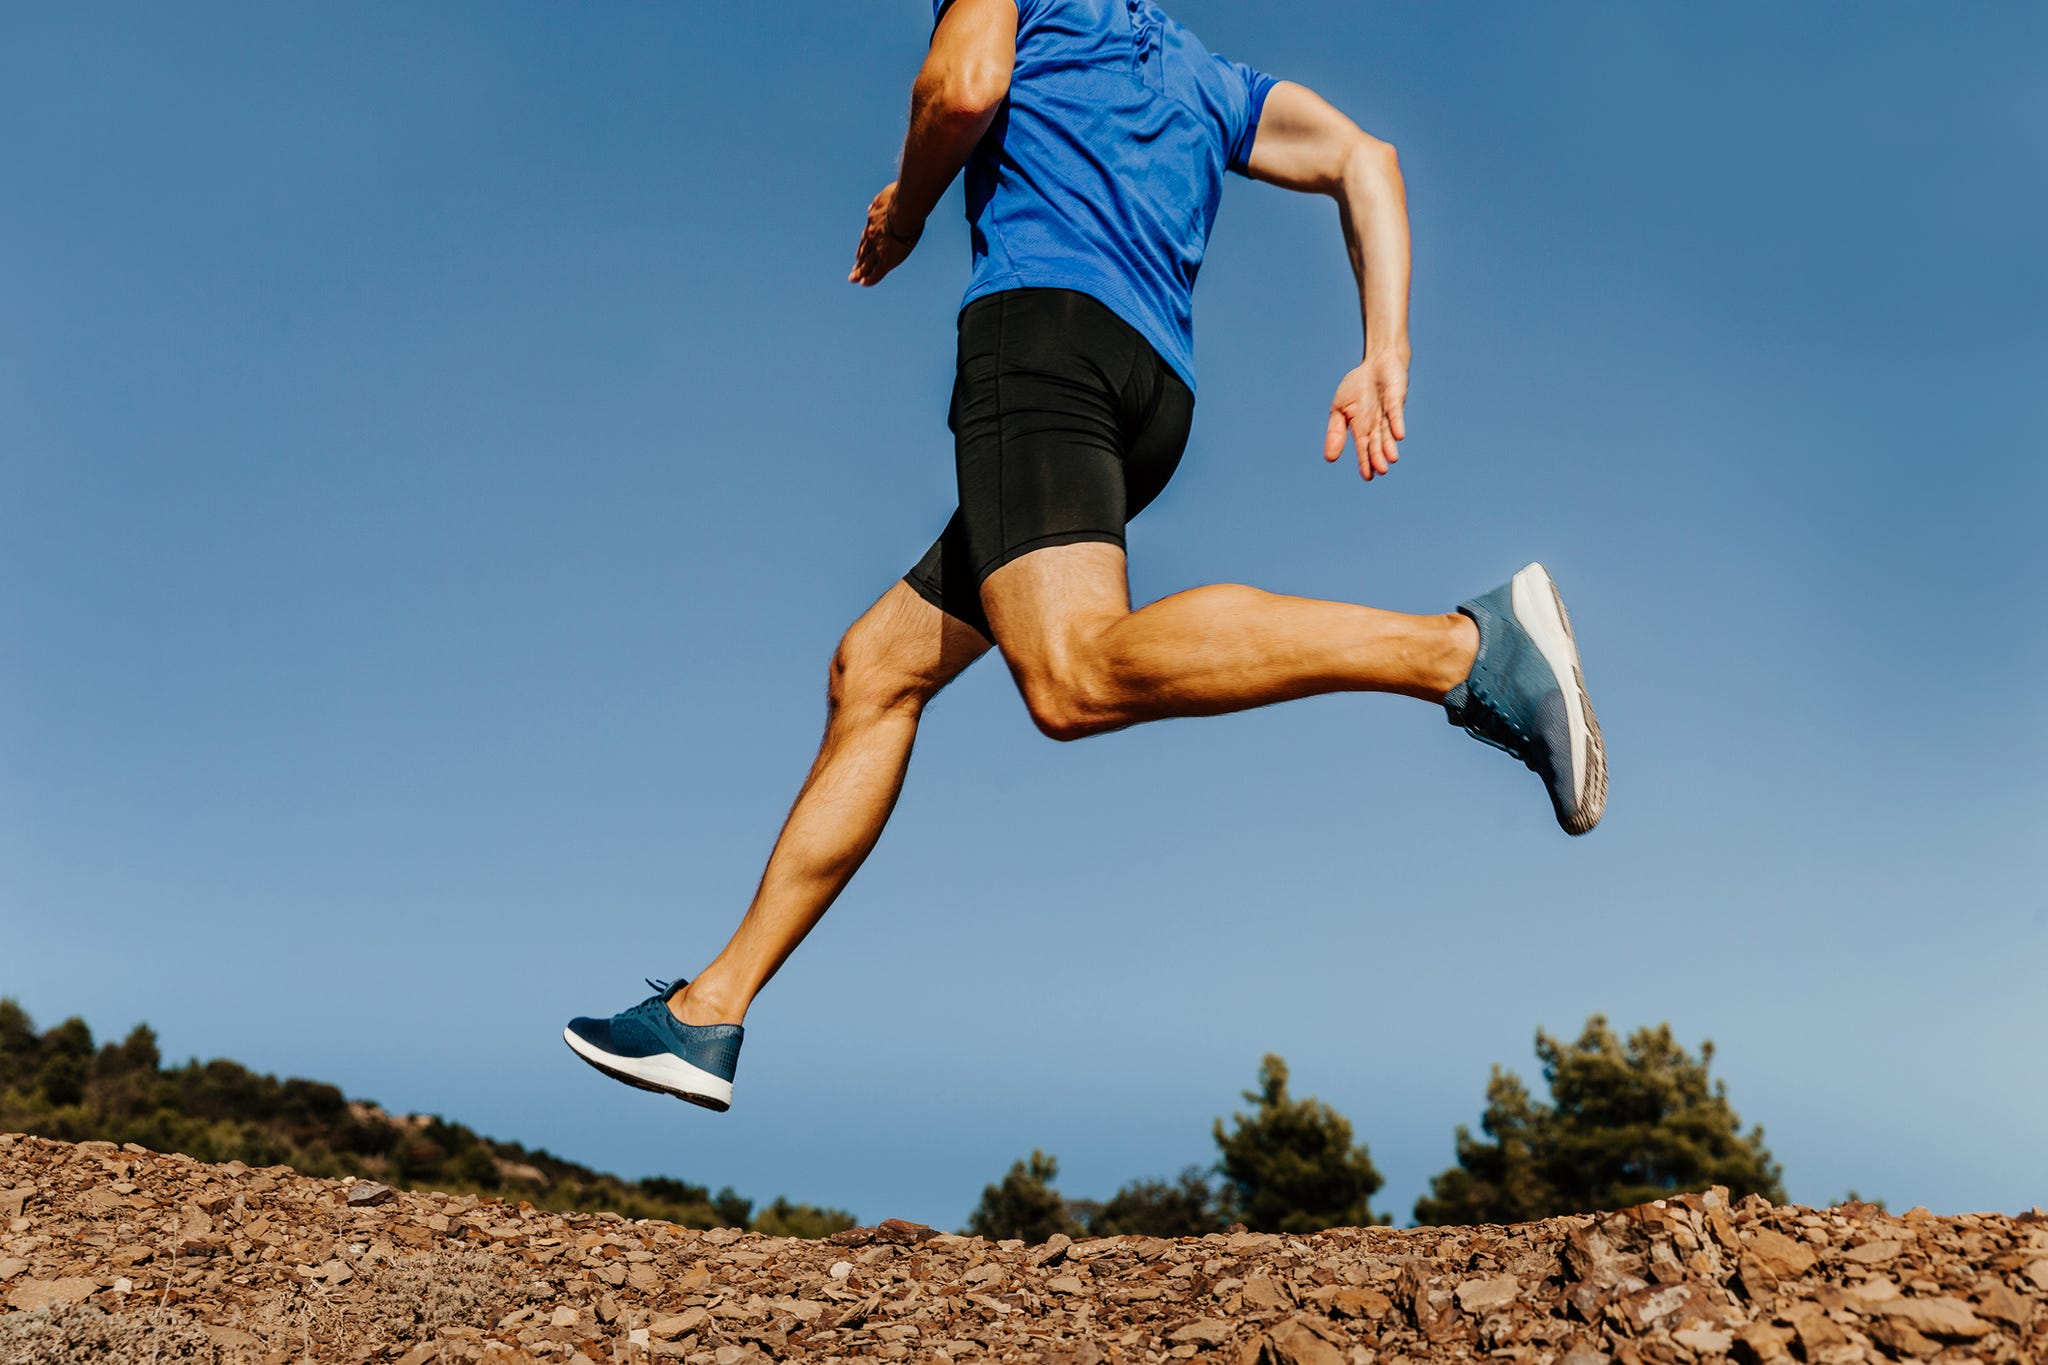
(115, 1254)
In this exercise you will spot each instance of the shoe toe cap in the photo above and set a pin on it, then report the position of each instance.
(596, 1032)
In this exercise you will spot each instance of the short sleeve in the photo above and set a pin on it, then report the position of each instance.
(1255, 85)
(939, 8)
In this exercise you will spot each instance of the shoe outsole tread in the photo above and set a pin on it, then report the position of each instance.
(1592, 796)
(704, 1101)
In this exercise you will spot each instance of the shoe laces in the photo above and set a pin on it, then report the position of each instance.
(657, 1001)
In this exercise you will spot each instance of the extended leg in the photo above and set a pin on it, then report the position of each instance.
(1086, 662)
(892, 661)
(1505, 666)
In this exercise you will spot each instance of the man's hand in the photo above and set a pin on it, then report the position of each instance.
(1368, 405)
(886, 242)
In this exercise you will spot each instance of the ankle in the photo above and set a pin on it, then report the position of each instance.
(1460, 650)
(702, 1002)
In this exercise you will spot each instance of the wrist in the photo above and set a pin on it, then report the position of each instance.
(1395, 349)
(901, 228)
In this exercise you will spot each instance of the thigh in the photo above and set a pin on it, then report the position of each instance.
(1041, 605)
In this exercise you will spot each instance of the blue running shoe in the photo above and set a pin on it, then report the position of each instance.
(1527, 695)
(649, 1047)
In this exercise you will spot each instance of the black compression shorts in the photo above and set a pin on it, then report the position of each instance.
(1066, 423)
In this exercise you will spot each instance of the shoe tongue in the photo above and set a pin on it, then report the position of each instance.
(666, 989)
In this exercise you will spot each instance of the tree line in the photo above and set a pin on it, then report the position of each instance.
(1627, 1121)
(59, 1084)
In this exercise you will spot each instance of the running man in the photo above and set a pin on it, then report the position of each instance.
(1095, 135)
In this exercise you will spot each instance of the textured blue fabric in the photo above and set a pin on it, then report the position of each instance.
(649, 1028)
(1513, 699)
(1104, 169)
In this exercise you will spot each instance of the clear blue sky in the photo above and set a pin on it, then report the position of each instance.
(438, 451)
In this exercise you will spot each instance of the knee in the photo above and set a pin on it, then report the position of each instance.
(864, 680)
(1066, 707)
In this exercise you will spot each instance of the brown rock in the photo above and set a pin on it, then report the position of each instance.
(1066, 1284)
(1262, 1292)
(233, 1338)
(33, 1294)
(1054, 1250)
(1203, 1332)
(1664, 1306)
(362, 1194)
(1591, 1256)
(1293, 1342)
(1873, 1253)
(1762, 1342)
(1355, 1301)
(1478, 1296)
(1900, 1339)
(1817, 1332)
(903, 1233)
(1942, 1317)
(1779, 1255)
(1704, 1341)
(1993, 1301)
(674, 1325)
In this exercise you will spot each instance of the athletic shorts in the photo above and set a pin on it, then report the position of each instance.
(1066, 423)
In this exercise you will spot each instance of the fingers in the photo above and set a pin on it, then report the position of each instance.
(869, 264)
(1333, 437)
(872, 262)
(1373, 437)
(878, 256)
(1365, 435)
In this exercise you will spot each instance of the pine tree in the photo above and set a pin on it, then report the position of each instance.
(1184, 1207)
(1024, 1205)
(1290, 1166)
(1626, 1123)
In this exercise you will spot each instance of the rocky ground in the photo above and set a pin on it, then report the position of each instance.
(121, 1254)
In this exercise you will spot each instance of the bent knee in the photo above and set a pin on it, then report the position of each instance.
(1065, 710)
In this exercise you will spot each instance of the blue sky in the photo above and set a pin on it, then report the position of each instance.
(438, 451)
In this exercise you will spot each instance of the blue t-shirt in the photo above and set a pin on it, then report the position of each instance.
(1103, 170)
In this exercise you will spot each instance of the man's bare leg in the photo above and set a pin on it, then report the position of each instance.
(892, 661)
(1086, 662)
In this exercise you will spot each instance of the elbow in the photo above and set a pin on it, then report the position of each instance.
(1369, 158)
(967, 97)
(1366, 169)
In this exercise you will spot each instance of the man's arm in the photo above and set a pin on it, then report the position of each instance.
(965, 78)
(1305, 144)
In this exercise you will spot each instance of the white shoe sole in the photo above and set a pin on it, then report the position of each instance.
(664, 1072)
(1539, 608)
